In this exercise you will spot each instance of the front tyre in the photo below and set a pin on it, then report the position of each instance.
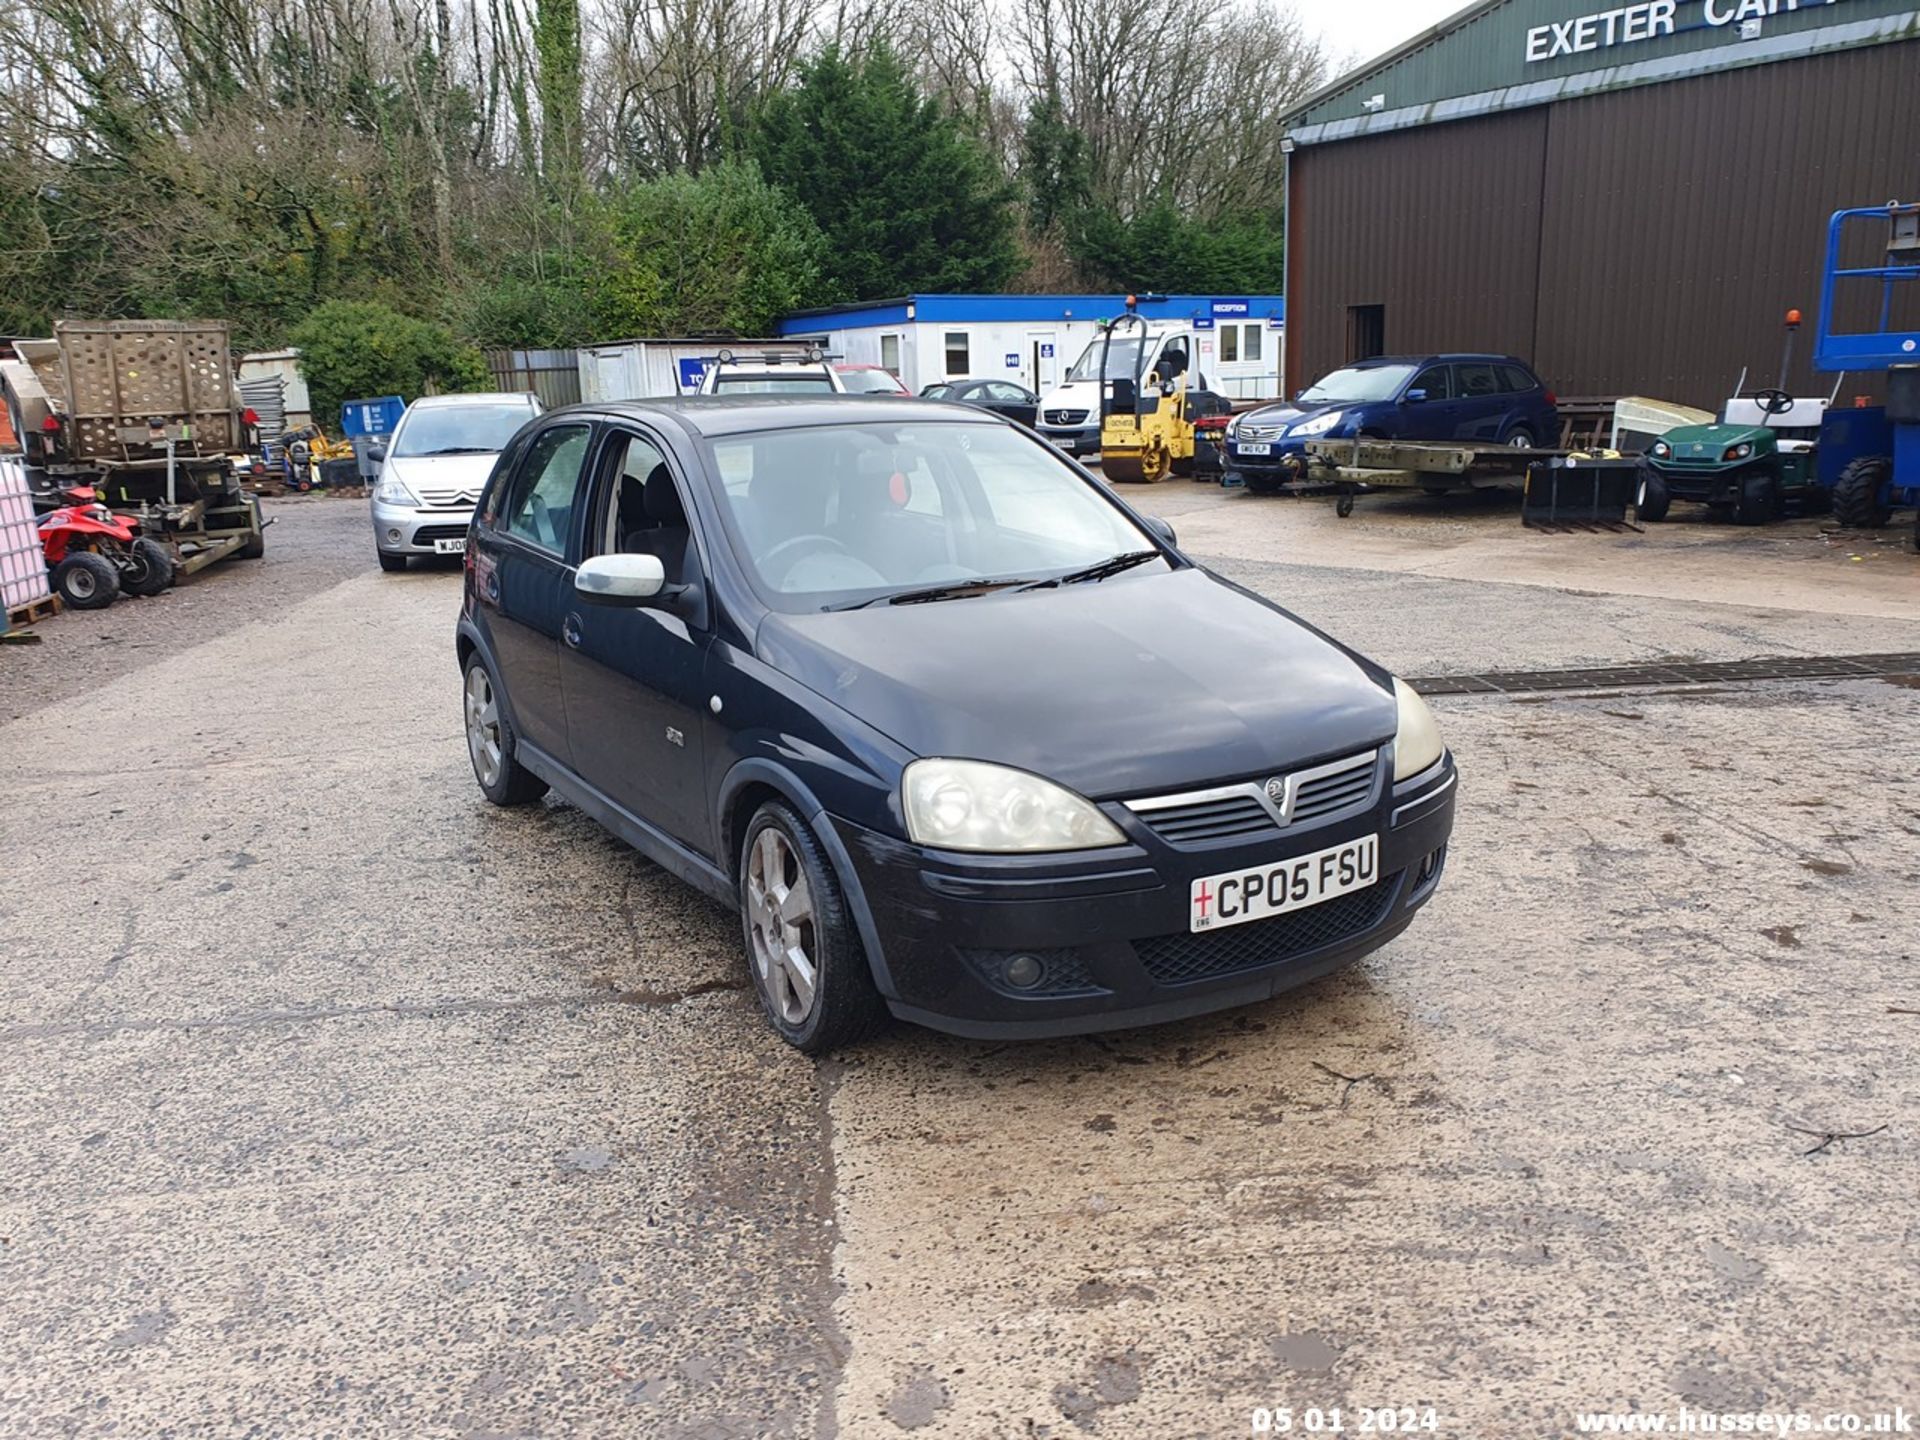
(490, 742)
(1653, 499)
(87, 581)
(1759, 500)
(808, 965)
(149, 568)
(392, 564)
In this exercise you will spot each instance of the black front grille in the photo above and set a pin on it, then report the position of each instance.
(1066, 417)
(427, 534)
(1325, 794)
(1234, 817)
(1178, 959)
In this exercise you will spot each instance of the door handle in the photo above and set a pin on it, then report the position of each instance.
(570, 631)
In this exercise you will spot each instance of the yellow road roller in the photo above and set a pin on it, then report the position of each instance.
(1145, 430)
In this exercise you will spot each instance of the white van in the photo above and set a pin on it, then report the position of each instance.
(1070, 412)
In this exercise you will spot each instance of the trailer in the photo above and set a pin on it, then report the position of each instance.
(1350, 468)
(146, 412)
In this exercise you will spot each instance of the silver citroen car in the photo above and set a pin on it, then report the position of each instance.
(433, 469)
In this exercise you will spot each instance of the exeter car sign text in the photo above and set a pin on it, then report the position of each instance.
(1645, 21)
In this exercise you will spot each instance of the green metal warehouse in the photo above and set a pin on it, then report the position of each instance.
(1629, 197)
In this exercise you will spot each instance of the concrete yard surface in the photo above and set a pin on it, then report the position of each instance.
(340, 1103)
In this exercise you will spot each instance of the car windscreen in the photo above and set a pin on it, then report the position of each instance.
(871, 382)
(1123, 361)
(833, 515)
(815, 384)
(1357, 383)
(459, 429)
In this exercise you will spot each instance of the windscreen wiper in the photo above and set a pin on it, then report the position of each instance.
(1110, 566)
(959, 590)
(462, 450)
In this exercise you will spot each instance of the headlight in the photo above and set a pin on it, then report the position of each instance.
(1416, 744)
(1739, 452)
(1660, 450)
(971, 805)
(1233, 427)
(391, 492)
(1319, 424)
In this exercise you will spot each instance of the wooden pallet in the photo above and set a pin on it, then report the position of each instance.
(42, 609)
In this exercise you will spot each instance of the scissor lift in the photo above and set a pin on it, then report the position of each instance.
(1886, 476)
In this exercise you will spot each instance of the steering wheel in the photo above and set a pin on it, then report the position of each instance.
(1773, 402)
(811, 541)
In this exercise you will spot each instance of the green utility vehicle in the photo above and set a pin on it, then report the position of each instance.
(1756, 459)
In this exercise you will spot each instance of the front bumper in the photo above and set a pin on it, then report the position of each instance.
(1112, 930)
(405, 530)
(1074, 439)
(1703, 485)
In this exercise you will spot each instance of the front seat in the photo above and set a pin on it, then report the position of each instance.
(664, 532)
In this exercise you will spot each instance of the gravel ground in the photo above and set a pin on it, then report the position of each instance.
(340, 1103)
(312, 543)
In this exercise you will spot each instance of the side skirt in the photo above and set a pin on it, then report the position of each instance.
(666, 852)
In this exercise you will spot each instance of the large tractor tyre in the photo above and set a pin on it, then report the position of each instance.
(1859, 494)
(87, 581)
(1652, 499)
(1759, 501)
(256, 546)
(148, 568)
(803, 951)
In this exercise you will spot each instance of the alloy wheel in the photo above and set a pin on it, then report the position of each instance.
(483, 727)
(781, 919)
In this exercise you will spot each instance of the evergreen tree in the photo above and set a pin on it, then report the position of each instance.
(1056, 171)
(907, 200)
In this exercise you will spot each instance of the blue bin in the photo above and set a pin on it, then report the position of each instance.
(371, 417)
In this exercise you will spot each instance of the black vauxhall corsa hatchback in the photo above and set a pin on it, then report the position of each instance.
(963, 738)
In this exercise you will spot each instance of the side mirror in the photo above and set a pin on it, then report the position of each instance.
(376, 453)
(620, 579)
(1159, 527)
(1414, 397)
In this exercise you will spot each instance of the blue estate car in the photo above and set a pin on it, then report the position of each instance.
(1489, 399)
(959, 735)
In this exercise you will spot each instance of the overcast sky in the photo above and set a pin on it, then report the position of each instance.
(1358, 30)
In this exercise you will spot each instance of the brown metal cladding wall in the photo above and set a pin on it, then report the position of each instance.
(1683, 220)
(1646, 241)
(1441, 226)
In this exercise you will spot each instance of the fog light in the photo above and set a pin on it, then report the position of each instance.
(394, 535)
(1023, 972)
(1429, 865)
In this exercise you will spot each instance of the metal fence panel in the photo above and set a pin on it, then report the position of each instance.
(552, 375)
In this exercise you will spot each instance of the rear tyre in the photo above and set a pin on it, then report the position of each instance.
(491, 742)
(87, 581)
(808, 966)
(392, 564)
(1759, 500)
(1519, 438)
(149, 568)
(1858, 501)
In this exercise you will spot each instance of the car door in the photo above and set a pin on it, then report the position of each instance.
(1482, 400)
(1011, 401)
(1435, 417)
(633, 675)
(524, 585)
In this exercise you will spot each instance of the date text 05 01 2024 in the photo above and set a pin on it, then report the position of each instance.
(1357, 1420)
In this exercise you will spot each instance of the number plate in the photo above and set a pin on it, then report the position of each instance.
(1060, 444)
(450, 547)
(1262, 891)
(1258, 447)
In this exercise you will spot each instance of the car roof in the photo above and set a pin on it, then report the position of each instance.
(1451, 356)
(714, 415)
(477, 397)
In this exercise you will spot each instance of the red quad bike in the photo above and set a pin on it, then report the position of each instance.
(95, 554)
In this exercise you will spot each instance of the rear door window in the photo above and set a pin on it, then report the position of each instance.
(541, 510)
(1477, 380)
